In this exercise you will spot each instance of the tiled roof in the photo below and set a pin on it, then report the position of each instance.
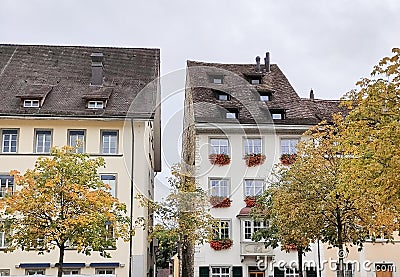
(324, 109)
(62, 75)
(245, 96)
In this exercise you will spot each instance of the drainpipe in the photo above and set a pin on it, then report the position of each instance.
(131, 207)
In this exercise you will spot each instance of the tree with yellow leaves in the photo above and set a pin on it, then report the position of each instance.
(62, 203)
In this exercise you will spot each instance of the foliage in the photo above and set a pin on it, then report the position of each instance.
(288, 159)
(254, 159)
(220, 201)
(63, 203)
(167, 244)
(220, 244)
(220, 159)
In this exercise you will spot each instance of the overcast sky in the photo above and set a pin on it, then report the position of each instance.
(318, 44)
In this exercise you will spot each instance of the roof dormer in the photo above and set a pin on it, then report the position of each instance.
(97, 99)
(34, 96)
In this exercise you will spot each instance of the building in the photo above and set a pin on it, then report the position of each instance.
(106, 98)
(239, 121)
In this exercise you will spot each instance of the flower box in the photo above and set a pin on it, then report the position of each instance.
(288, 159)
(254, 159)
(220, 244)
(291, 246)
(220, 159)
(250, 201)
(220, 202)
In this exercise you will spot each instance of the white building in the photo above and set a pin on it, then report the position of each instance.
(104, 97)
(245, 111)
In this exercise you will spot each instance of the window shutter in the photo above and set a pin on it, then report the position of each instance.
(311, 272)
(279, 272)
(237, 271)
(204, 271)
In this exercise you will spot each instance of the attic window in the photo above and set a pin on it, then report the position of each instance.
(95, 104)
(217, 79)
(31, 103)
(265, 96)
(223, 96)
(232, 113)
(255, 80)
(277, 114)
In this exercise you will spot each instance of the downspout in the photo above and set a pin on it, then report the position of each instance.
(131, 207)
(319, 259)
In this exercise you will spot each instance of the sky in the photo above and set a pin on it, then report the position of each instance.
(322, 45)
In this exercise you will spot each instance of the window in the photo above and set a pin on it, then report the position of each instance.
(217, 79)
(109, 142)
(71, 271)
(223, 96)
(4, 272)
(250, 227)
(110, 179)
(277, 114)
(253, 187)
(291, 272)
(30, 103)
(219, 146)
(252, 146)
(265, 96)
(33, 271)
(7, 184)
(10, 139)
(220, 272)
(43, 141)
(221, 229)
(232, 113)
(3, 241)
(95, 104)
(255, 80)
(348, 269)
(76, 138)
(219, 187)
(105, 271)
(288, 145)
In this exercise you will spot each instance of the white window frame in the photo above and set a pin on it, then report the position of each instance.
(222, 96)
(104, 271)
(31, 103)
(3, 243)
(222, 229)
(348, 269)
(95, 104)
(109, 134)
(77, 135)
(10, 136)
(107, 180)
(255, 81)
(217, 79)
(34, 271)
(253, 187)
(249, 227)
(220, 271)
(219, 146)
(290, 147)
(6, 185)
(277, 115)
(251, 146)
(219, 187)
(46, 134)
(71, 271)
(291, 272)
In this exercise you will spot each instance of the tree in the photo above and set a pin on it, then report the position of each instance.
(63, 203)
(184, 215)
(167, 244)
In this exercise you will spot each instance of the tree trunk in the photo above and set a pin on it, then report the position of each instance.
(187, 259)
(300, 260)
(61, 260)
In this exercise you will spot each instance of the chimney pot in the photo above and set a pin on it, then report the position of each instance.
(311, 94)
(97, 69)
(258, 67)
(267, 62)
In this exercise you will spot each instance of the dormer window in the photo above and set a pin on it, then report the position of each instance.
(255, 80)
(95, 104)
(222, 96)
(277, 114)
(217, 79)
(265, 96)
(232, 113)
(31, 103)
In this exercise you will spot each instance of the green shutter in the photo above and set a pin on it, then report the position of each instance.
(311, 272)
(237, 271)
(204, 271)
(279, 272)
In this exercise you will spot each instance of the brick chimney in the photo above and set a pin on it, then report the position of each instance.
(97, 69)
(267, 62)
(311, 94)
(258, 67)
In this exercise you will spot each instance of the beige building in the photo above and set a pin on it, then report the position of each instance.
(106, 98)
(241, 120)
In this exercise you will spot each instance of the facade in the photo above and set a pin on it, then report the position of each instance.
(105, 98)
(241, 120)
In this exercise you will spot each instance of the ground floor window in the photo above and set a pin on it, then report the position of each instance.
(71, 271)
(4, 272)
(291, 272)
(35, 271)
(220, 272)
(105, 271)
(348, 270)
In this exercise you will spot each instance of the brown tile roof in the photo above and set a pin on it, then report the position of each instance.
(245, 96)
(62, 75)
(324, 109)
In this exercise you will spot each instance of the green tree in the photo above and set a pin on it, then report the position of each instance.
(167, 244)
(63, 203)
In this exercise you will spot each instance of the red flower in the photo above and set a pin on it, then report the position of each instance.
(288, 159)
(220, 201)
(254, 159)
(220, 244)
(219, 159)
(250, 201)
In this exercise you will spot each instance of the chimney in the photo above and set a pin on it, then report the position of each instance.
(311, 94)
(97, 69)
(267, 62)
(258, 67)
